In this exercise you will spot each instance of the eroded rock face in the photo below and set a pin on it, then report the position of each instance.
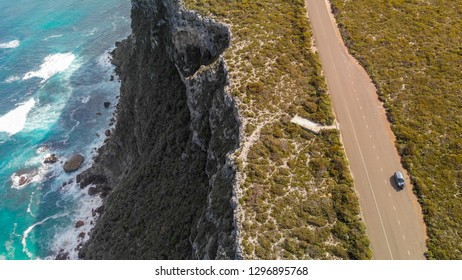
(168, 156)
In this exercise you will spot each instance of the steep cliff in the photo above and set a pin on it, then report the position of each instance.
(167, 160)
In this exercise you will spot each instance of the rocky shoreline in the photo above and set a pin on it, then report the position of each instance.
(165, 172)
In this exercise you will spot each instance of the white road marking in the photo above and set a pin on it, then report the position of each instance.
(381, 169)
(389, 194)
(367, 126)
(404, 237)
(394, 208)
(409, 253)
(399, 222)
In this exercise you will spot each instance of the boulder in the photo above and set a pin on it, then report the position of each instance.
(82, 235)
(74, 163)
(79, 224)
(107, 104)
(50, 159)
(107, 133)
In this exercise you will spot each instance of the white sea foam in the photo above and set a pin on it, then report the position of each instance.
(85, 99)
(51, 65)
(30, 204)
(14, 121)
(11, 79)
(34, 176)
(10, 45)
(37, 174)
(92, 32)
(29, 229)
(52, 36)
(104, 60)
(69, 239)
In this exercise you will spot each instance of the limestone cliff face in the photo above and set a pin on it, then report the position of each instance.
(167, 160)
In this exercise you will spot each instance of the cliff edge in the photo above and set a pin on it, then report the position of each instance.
(167, 161)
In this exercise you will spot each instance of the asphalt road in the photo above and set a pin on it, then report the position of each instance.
(393, 218)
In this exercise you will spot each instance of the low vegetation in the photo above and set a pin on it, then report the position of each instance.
(412, 50)
(296, 195)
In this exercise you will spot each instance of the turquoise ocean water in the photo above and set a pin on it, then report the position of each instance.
(54, 79)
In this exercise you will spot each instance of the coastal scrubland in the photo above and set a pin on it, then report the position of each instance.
(412, 50)
(296, 197)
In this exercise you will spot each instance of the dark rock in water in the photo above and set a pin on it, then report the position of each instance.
(61, 256)
(98, 114)
(107, 133)
(98, 211)
(51, 159)
(112, 78)
(107, 104)
(23, 180)
(97, 134)
(86, 179)
(73, 163)
(79, 224)
(82, 235)
(92, 191)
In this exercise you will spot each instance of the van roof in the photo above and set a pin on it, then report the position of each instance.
(399, 175)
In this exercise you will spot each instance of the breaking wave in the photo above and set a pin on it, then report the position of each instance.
(51, 65)
(14, 121)
(10, 45)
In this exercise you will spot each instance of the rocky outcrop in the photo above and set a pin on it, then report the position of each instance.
(50, 159)
(73, 163)
(168, 158)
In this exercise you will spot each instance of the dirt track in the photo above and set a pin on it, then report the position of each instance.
(393, 218)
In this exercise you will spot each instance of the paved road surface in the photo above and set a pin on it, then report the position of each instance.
(394, 222)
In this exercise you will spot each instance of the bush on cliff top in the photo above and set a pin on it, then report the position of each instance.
(412, 51)
(298, 199)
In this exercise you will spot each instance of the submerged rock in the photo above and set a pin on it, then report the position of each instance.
(107, 104)
(23, 180)
(73, 163)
